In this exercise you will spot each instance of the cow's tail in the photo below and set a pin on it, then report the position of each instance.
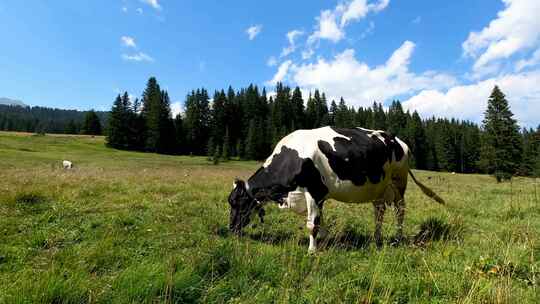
(426, 190)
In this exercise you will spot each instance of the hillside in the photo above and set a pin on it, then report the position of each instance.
(43, 119)
(11, 102)
(129, 227)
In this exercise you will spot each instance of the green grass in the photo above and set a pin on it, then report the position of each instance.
(127, 227)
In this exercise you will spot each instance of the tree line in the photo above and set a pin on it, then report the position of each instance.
(48, 120)
(247, 123)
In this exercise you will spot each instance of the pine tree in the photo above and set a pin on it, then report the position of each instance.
(501, 151)
(417, 141)
(217, 155)
(197, 121)
(379, 117)
(152, 114)
(531, 152)
(251, 141)
(397, 119)
(72, 127)
(218, 117)
(225, 153)
(118, 131)
(180, 134)
(342, 115)
(92, 125)
(210, 148)
(297, 103)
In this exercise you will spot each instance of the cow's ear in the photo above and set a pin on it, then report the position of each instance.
(238, 183)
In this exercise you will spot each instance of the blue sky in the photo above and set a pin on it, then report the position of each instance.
(438, 57)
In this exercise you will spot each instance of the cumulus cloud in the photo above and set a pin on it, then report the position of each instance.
(327, 28)
(516, 28)
(291, 37)
(331, 23)
(128, 41)
(253, 31)
(153, 3)
(138, 57)
(358, 9)
(272, 61)
(361, 84)
(470, 101)
(124, 9)
(281, 73)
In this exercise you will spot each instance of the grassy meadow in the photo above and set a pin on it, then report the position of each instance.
(129, 227)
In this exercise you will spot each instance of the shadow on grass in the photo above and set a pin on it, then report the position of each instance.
(30, 202)
(435, 229)
(431, 230)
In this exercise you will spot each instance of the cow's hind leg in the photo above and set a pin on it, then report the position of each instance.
(379, 207)
(399, 205)
(314, 218)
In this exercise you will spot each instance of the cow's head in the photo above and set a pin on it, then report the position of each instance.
(243, 206)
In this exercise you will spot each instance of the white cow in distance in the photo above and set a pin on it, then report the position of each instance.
(67, 164)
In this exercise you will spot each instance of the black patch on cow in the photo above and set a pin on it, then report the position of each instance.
(284, 174)
(359, 158)
(392, 143)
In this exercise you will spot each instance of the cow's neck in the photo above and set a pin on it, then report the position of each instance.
(265, 188)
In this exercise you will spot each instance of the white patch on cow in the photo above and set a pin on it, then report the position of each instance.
(234, 185)
(376, 133)
(295, 201)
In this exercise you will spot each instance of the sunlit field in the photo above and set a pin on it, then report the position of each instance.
(129, 227)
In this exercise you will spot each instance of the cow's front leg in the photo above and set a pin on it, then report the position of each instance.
(314, 216)
(379, 207)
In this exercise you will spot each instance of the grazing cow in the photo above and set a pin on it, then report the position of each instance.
(349, 165)
(67, 164)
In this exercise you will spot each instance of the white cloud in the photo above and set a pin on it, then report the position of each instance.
(253, 31)
(516, 28)
(139, 10)
(272, 61)
(358, 9)
(470, 101)
(281, 73)
(417, 20)
(360, 84)
(176, 108)
(291, 37)
(128, 41)
(124, 9)
(327, 28)
(534, 60)
(153, 3)
(139, 57)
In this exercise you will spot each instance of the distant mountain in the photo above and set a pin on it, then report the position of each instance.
(11, 102)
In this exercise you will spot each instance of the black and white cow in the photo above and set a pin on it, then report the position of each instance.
(349, 165)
